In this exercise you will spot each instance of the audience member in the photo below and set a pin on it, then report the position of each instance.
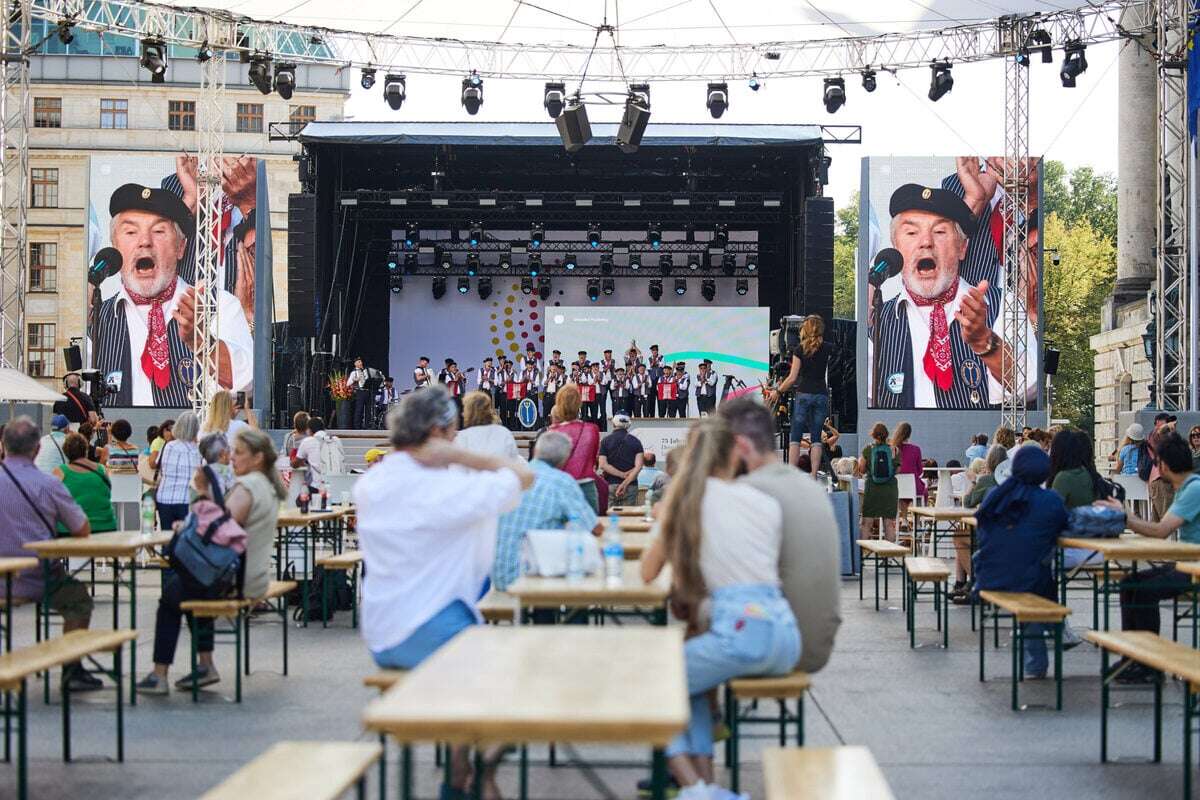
(122, 454)
(50, 453)
(659, 489)
(88, 485)
(621, 461)
(585, 443)
(1194, 443)
(223, 411)
(321, 453)
(177, 463)
(1162, 491)
(650, 471)
(215, 450)
(978, 448)
(984, 483)
(1131, 449)
(296, 435)
(911, 462)
(830, 437)
(482, 431)
(166, 432)
(881, 491)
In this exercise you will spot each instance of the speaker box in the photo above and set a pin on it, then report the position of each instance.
(633, 125)
(816, 290)
(302, 264)
(574, 128)
(73, 356)
(1051, 361)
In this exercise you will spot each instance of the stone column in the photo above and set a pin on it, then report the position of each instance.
(1137, 165)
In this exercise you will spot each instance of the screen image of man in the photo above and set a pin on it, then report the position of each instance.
(940, 341)
(146, 327)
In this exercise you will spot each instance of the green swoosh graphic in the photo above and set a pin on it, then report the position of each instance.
(728, 358)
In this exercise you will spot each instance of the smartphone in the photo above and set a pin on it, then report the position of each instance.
(241, 399)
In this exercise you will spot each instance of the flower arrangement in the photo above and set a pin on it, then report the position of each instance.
(339, 387)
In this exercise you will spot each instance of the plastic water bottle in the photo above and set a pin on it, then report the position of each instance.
(147, 527)
(614, 553)
(574, 552)
(648, 514)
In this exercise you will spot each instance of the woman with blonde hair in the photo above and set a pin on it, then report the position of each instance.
(722, 539)
(481, 429)
(810, 407)
(222, 416)
(585, 443)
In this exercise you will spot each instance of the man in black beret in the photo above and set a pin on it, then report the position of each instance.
(147, 325)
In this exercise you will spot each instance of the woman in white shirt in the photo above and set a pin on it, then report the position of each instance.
(482, 432)
(722, 540)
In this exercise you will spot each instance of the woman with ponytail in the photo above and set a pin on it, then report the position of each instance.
(722, 540)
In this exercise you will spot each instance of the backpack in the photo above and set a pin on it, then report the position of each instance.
(1145, 464)
(341, 598)
(1095, 522)
(883, 469)
(331, 457)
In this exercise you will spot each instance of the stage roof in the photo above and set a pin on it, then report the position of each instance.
(545, 133)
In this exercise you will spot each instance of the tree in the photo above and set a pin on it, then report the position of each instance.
(845, 259)
(1081, 196)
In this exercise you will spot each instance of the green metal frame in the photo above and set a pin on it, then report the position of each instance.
(735, 719)
(941, 607)
(240, 621)
(875, 558)
(308, 537)
(352, 578)
(1018, 648)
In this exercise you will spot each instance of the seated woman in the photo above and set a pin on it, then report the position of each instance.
(88, 484)
(1073, 475)
(481, 431)
(722, 539)
(122, 455)
(427, 519)
(1018, 528)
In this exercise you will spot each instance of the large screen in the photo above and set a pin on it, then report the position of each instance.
(931, 283)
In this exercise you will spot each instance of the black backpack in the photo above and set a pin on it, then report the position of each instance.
(1145, 460)
(341, 598)
(883, 469)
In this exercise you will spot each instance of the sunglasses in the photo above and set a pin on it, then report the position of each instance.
(1195, 436)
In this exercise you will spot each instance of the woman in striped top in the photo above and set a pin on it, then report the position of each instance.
(177, 463)
(122, 456)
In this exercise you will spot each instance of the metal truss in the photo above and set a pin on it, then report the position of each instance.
(14, 181)
(518, 271)
(1172, 364)
(643, 249)
(1092, 23)
(488, 202)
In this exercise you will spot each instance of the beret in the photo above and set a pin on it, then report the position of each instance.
(944, 203)
(164, 203)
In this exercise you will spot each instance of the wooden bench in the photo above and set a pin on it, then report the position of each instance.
(311, 770)
(880, 550)
(1023, 607)
(780, 688)
(497, 607)
(347, 561)
(238, 611)
(934, 571)
(18, 665)
(10, 568)
(823, 773)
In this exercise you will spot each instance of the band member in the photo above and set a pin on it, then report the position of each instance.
(530, 376)
(642, 390)
(655, 368)
(556, 360)
(667, 390)
(706, 388)
(633, 357)
(554, 381)
(576, 375)
(387, 393)
(444, 374)
(608, 370)
(582, 362)
(357, 379)
(591, 408)
(515, 390)
(422, 373)
(530, 358)
(619, 388)
(504, 376)
(487, 382)
(456, 383)
(682, 382)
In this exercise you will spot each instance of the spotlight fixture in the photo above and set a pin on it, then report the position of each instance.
(608, 286)
(412, 235)
(665, 263)
(720, 236)
(654, 235)
(410, 263)
(526, 285)
(1039, 42)
(543, 287)
(940, 80)
(260, 73)
(680, 287)
(439, 288)
(367, 78)
(204, 53)
(743, 286)
(729, 264)
(475, 234)
(534, 264)
(484, 287)
(868, 80)
(835, 94)
(1022, 56)
(708, 289)
(154, 61)
(751, 262)
(593, 234)
(392, 264)
(285, 80)
(64, 31)
(554, 99)
(606, 264)
(464, 285)
(593, 289)
(444, 258)
(1074, 64)
(472, 93)
(655, 290)
(693, 261)
(395, 90)
(505, 262)
(635, 261)
(396, 282)
(537, 233)
(753, 83)
(569, 261)
(718, 99)
(472, 264)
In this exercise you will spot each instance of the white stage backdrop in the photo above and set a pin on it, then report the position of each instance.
(465, 328)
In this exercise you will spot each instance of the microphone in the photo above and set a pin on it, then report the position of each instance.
(887, 263)
(106, 263)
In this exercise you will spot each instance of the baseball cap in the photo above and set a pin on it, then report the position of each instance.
(1163, 416)
(621, 419)
(60, 422)
(374, 454)
(1135, 432)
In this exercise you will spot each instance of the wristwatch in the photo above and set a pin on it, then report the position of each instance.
(993, 346)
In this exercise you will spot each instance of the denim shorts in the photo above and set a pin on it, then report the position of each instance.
(809, 412)
(425, 640)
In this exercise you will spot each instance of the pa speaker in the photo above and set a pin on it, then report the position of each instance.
(573, 127)
(302, 264)
(74, 358)
(816, 291)
(1051, 361)
(633, 125)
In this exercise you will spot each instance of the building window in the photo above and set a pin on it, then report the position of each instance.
(249, 118)
(181, 115)
(43, 266)
(41, 349)
(47, 112)
(45, 187)
(114, 113)
(302, 115)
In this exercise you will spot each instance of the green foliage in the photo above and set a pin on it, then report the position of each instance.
(1082, 196)
(845, 252)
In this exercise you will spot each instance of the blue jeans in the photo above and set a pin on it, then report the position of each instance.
(753, 632)
(1036, 661)
(809, 412)
(425, 640)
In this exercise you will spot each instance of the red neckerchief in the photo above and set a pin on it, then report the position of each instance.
(938, 360)
(156, 356)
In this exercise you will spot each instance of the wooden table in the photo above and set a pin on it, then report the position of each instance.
(823, 773)
(536, 592)
(635, 544)
(932, 515)
(292, 527)
(120, 546)
(494, 685)
(8, 568)
(634, 526)
(628, 511)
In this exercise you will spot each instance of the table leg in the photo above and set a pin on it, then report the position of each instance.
(1103, 705)
(133, 625)
(1058, 676)
(120, 703)
(1016, 660)
(22, 757)
(523, 777)
(405, 772)
(66, 717)
(982, 637)
(1104, 599)
(1189, 709)
(8, 612)
(477, 778)
(1158, 684)
(658, 775)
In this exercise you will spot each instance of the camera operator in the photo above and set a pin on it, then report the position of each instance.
(78, 407)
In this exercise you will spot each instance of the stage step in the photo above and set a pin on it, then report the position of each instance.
(356, 443)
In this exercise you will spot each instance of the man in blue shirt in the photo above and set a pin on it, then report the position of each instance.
(978, 448)
(553, 500)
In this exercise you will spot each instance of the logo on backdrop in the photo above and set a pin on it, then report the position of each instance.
(527, 413)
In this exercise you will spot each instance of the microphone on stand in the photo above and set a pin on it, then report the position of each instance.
(105, 264)
(888, 262)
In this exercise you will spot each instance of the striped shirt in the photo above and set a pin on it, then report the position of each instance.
(177, 463)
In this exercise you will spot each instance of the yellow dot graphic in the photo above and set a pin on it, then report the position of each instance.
(510, 336)
(508, 323)
(513, 347)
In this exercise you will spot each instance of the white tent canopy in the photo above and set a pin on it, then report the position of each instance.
(17, 387)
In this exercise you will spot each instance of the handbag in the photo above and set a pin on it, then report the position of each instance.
(208, 547)
(1095, 522)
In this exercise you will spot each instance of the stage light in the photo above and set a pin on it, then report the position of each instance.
(1074, 64)
(395, 90)
(940, 80)
(484, 287)
(569, 261)
(693, 261)
(154, 61)
(665, 263)
(1039, 42)
(729, 264)
(537, 233)
(526, 285)
(868, 80)
(64, 31)
(396, 283)
(367, 79)
(412, 234)
(708, 289)
(472, 264)
(439, 288)
(535, 264)
(1022, 57)
(606, 263)
(608, 286)
(464, 285)
(285, 80)
(680, 287)
(260, 73)
(654, 235)
(635, 261)
(720, 236)
(505, 262)
(472, 93)
(593, 234)
(743, 286)
(655, 290)
(554, 99)
(410, 263)
(393, 265)
(835, 94)
(593, 289)
(475, 234)
(718, 99)
(753, 83)
(444, 258)
(751, 261)
(204, 53)
(543, 287)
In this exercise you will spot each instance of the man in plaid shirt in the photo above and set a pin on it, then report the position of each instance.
(553, 500)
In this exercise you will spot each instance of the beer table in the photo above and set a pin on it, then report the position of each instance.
(931, 516)
(634, 525)
(635, 544)
(306, 530)
(8, 568)
(531, 591)
(628, 511)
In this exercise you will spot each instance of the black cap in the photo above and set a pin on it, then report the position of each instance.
(556, 352)
(1163, 416)
(914, 197)
(680, 365)
(488, 358)
(608, 351)
(164, 203)
(583, 352)
(388, 379)
(530, 346)
(423, 358)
